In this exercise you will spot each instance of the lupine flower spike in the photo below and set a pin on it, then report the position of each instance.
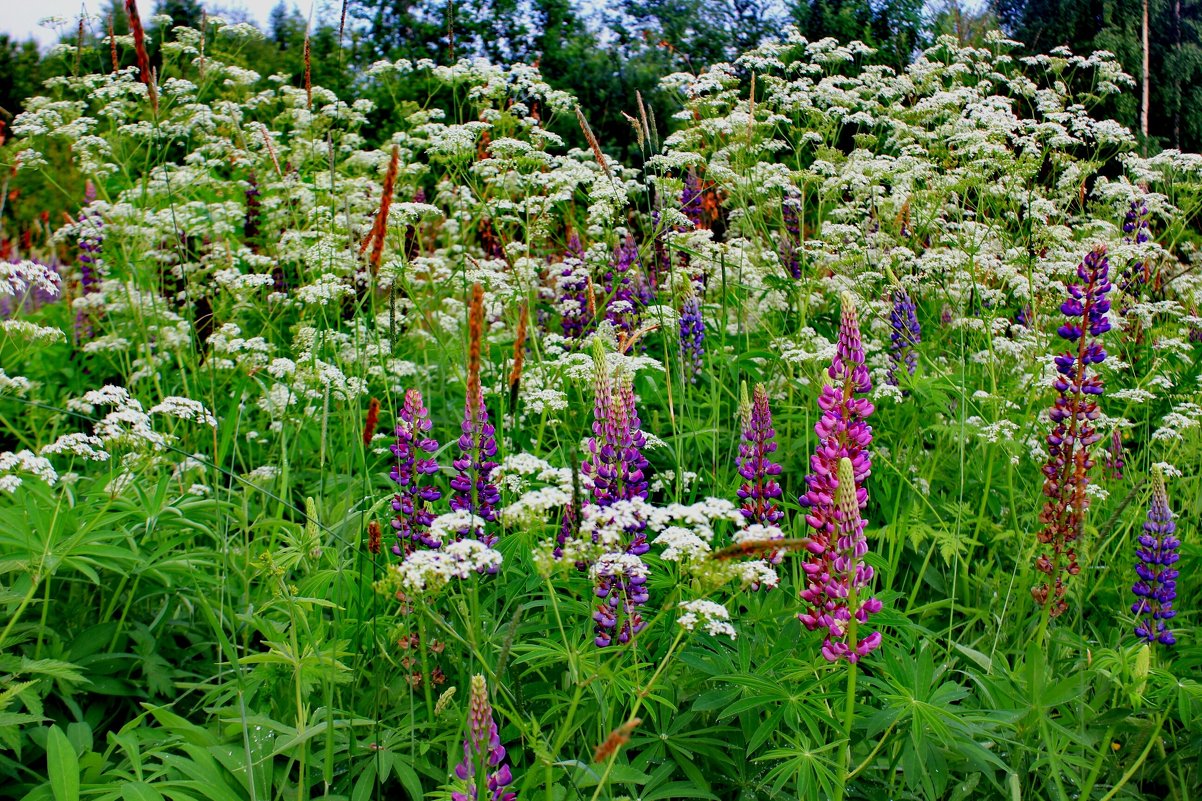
(1066, 473)
(1114, 456)
(905, 333)
(414, 450)
(482, 751)
(790, 245)
(617, 468)
(849, 580)
(692, 336)
(1155, 587)
(475, 491)
(760, 490)
(842, 433)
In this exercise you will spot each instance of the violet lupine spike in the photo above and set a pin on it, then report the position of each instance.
(690, 198)
(622, 308)
(849, 579)
(615, 463)
(660, 268)
(904, 335)
(414, 450)
(760, 490)
(474, 489)
(482, 750)
(1115, 464)
(572, 285)
(842, 433)
(1155, 588)
(621, 584)
(1136, 274)
(790, 246)
(1066, 472)
(692, 336)
(618, 471)
(91, 242)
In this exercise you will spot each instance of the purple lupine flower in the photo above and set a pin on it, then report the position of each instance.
(616, 466)
(91, 241)
(414, 450)
(622, 306)
(1066, 472)
(572, 286)
(842, 433)
(790, 245)
(692, 335)
(905, 333)
(848, 579)
(475, 491)
(760, 490)
(1136, 274)
(253, 217)
(660, 268)
(945, 314)
(1114, 456)
(690, 198)
(621, 584)
(1155, 588)
(482, 750)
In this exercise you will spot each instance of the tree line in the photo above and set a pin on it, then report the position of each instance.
(605, 53)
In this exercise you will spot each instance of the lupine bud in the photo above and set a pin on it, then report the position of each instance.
(482, 748)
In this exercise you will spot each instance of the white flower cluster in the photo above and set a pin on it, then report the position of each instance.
(430, 570)
(23, 462)
(713, 617)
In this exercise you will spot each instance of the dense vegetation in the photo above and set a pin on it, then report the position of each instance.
(841, 442)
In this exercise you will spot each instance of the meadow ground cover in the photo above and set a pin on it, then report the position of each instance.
(845, 446)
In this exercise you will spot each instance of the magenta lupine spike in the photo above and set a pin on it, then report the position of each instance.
(1155, 588)
(760, 490)
(692, 336)
(790, 245)
(482, 750)
(848, 579)
(1066, 472)
(622, 306)
(842, 433)
(414, 450)
(905, 334)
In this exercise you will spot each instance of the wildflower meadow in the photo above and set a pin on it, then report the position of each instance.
(841, 439)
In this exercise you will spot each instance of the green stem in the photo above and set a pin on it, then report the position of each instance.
(638, 703)
(1142, 757)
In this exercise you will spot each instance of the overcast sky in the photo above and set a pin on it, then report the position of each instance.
(19, 18)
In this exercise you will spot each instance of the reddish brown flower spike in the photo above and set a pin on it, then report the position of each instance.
(373, 418)
(616, 739)
(374, 538)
